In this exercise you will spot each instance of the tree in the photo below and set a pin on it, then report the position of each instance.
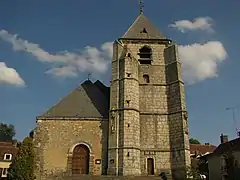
(193, 174)
(194, 141)
(7, 132)
(22, 167)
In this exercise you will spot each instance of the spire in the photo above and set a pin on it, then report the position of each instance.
(141, 6)
(142, 28)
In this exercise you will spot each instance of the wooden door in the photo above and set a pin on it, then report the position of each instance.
(150, 166)
(80, 160)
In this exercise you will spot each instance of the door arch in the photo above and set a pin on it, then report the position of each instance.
(80, 160)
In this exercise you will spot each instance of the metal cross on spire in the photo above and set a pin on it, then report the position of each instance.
(89, 76)
(141, 6)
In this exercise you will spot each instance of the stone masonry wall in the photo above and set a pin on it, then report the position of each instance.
(54, 140)
(114, 114)
(154, 110)
(129, 121)
(178, 118)
(162, 107)
(124, 142)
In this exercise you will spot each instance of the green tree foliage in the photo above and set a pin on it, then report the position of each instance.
(193, 174)
(22, 167)
(194, 141)
(7, 132)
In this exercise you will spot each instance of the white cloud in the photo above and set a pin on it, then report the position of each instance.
(200, 23)
(10, 76)
(89, 59)
(201, 61)
(67, 71)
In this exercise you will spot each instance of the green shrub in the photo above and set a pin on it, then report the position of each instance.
(22, 167)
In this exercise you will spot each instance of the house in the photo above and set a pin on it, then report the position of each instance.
(7, 152)
(223, 163)
(197, 150)
(200, 150)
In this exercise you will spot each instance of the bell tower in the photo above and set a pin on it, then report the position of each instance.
(148, 132)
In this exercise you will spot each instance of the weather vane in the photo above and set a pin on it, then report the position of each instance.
(141, 6)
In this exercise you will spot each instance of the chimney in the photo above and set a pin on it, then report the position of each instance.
(223, 138)
(14, 143)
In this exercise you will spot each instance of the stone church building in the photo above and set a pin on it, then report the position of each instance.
(138, 126)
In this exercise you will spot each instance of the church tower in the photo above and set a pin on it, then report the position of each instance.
(148, 128)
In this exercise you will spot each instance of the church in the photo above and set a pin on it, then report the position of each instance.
(136, 127)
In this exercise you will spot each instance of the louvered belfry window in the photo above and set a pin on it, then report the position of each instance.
(145, 55)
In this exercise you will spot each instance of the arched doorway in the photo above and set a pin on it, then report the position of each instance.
(80, 160)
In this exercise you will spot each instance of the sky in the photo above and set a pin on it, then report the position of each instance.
(48, 48)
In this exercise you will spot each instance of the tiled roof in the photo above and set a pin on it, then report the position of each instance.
(90, 100)
(7, 148)
(201, 148)
(142, 28)
(233, 145)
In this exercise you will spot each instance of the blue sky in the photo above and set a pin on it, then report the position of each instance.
(49, 56)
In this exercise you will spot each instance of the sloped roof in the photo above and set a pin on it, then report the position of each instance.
(7, 148)
(142, 28)
(201, 148)
(90, 100)
(233, 145)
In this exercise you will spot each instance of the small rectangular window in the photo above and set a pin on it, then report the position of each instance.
(7, 157)
(4, 172)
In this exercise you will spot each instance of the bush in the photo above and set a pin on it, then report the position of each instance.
(22, 167)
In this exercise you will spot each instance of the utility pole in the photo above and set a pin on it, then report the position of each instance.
(234, 119)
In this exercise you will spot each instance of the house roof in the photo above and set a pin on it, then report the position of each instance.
(201, 148)
(233, 145)
(89, 100)
(7, 148)
(142, 28)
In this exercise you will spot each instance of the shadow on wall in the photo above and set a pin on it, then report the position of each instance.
(104, 142)
(175, 117)
(99, 95)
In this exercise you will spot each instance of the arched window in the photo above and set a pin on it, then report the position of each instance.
(146, 78)
(145, 55)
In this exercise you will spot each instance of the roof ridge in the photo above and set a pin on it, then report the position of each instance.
(132, 25)
(84, 101)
